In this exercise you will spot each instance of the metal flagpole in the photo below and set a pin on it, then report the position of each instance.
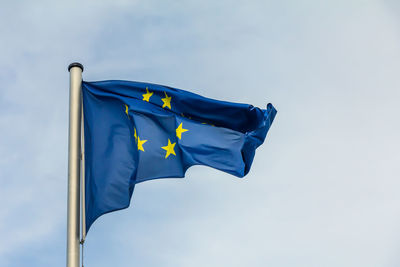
(74, 150)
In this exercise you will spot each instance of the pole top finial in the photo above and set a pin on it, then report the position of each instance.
(75, 64)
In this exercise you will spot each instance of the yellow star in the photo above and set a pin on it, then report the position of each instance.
(169, 148)
(147, 95)
(180, 130)
(140, 143)
(135, 134)
(166, 101)
(126, 109)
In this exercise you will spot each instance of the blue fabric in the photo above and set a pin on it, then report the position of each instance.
(136, 132)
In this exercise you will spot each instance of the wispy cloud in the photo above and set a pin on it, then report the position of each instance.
(322, 190)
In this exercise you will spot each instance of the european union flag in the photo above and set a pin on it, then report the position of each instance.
(140, 131)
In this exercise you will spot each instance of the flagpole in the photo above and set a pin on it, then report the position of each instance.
(74, 150)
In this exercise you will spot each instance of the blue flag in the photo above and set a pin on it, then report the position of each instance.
(140, 131)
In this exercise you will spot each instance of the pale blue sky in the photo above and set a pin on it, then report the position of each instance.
(323, 189)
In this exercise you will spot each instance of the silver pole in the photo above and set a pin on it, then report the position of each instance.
(74, 150)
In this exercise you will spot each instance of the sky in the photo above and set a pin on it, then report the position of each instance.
(323, 188)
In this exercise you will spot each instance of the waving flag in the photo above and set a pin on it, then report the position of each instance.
(139, 131)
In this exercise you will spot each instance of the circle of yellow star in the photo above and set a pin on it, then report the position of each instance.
(147, 95)
(169, 148)
(140, 144)
(166, 101)
(180, 130)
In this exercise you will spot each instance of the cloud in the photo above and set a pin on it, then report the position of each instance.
(322, 190)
